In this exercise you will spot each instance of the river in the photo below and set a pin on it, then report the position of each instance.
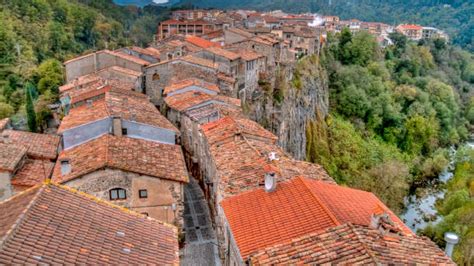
(421, 209)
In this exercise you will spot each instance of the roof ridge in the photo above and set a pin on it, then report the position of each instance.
(366, 248)
(316, 197)
(23, 213)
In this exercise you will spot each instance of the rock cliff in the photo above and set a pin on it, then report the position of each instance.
(288, 100)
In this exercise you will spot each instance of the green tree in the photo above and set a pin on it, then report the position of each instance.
(6, 110)
(30, 109)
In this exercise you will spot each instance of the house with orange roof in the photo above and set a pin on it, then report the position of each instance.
(52, 224)
(26, 160)
(412, 31)
(200, 42)
(145, 54)
(121, 113)
(233, 35)
(307, 221)
(138, 174)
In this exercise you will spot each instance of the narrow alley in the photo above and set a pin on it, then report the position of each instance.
(201, 242)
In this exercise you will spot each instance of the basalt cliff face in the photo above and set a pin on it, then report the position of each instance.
(297, 93)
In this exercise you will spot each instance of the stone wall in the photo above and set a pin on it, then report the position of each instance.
(162, 194)
(6, 190)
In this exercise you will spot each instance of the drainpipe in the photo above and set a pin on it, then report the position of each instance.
(451, 240)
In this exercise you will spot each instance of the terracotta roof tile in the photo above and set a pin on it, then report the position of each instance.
(32, 173)
(122, 70)
(80, 81)
(241, 32)
(198, 61)
(223, 53)
(128, 57)
(249, 55)
(128, 105)
(39, 146)
(259, 219)
(410, 27)
(134, 155)
(220, 110)
(256, 213)
(153, 50)
(63, 226)
(352, 244)
(200, 42)
(190, 82)
(148, 52)
(240, 147)
(10, 156)
(184, 101)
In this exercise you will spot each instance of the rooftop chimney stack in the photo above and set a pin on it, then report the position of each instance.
(270, 182)
(451, 240)
(117, 126)
(65, 167)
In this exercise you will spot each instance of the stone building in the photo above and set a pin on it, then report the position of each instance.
(306, 221)
(93, 62)
(149, 55)
(186, 27)
(141, 175)
(51, 224)
(160, 75)
(26, 159)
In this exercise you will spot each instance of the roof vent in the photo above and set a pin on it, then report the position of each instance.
(272, 156)
(451, 240)
(89, 103)
(37, 257)
(126, 250)
(120, 234)
(270, 182)
(65, 167)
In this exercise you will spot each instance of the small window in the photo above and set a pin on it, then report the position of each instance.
(118, 194)
(145, 213)
(143, 193)
(156, 76)
(124, 131)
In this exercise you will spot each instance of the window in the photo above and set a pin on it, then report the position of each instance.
(142, 193)
(156, 76)
(118, 194)
(124, 131)
(145, 213)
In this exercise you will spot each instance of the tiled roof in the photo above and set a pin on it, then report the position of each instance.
(87, 92)
(198, 61)
(40, 146)
(153, 50)
(145, 51)
(80, 81)
(296, 208)
(128, 105)
(4, 123)
(223, 53)
(410, 27)
(51, 224)
(10, 156)
(32, 173)
(190, 82)
(128, 57)
(200, 42)
(240, 148)
(134, 155)
(249, 55)
(241, 32)
(184, 101)
(207, 110)
(353, 244)
(227, 127)
(122, 70)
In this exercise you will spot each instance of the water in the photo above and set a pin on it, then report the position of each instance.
(421, 209)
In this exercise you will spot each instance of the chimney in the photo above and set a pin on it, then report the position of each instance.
(65, 167)
(5, 138)
(451, 240)
(270, 182)
(117, 126)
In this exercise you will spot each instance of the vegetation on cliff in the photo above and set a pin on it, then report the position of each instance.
(457, 207)
(393, 114)
(37, 35)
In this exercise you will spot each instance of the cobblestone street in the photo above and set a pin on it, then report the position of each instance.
(201, 243)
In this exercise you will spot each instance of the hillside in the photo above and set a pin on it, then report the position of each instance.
(454, 16)
(37, 35)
